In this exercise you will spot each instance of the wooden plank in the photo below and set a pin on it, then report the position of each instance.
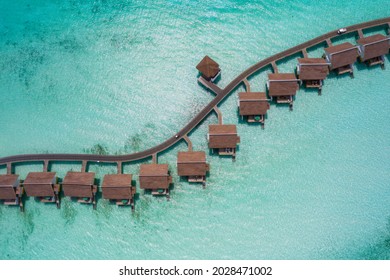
(154, 158)
(360, 33)
(84, 166)
(304, 53)
(329, 42)
(219, 114)
(9, 168)
(45, 166)
(247, 85)
(275, 67)
(119, 167)
(209, 85)
(189, 143)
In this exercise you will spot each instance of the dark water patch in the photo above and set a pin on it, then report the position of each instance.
(28, 224)
(133, 144)
(30, 60)
(10, 43)
(127, 41)
(70, 44)
(344, 38)
(379, 250)
(97, 149)
(105, 207)
(68, 212)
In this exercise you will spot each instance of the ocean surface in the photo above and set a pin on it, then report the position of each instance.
(116, 77)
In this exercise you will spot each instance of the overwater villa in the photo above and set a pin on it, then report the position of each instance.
(155, 178)
(209, 69)
(193, 166)
(283, 87)
(43, 186)
(312, 72)
(342, 57)
(253, 106)
(80, 185)
(11, 191)
(223, 138)
(118, 188)
(372, 49)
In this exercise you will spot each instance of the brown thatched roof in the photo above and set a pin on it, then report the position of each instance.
(208, 67)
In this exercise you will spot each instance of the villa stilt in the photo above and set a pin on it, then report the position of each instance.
(43, 185)
(224, 138)
(283, 86)
(80, 185)
(193, 166)
(156, 178)
(253, 106)
(373, 49)
(11, 191)
(118, 188)
(342, 57)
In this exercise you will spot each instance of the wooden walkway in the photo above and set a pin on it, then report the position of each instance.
(221, 94)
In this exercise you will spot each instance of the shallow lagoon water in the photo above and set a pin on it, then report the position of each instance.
(121, 74)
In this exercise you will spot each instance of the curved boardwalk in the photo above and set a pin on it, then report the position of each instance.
(220, 95)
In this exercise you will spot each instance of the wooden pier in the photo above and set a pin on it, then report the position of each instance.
(207, 82)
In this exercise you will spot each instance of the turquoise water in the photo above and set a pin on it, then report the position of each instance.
(121, 74)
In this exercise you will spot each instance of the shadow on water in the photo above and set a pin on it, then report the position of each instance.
(104, 206)
(344, 38)
(28, 226)
(97, 149)
(27, 68)
(15, 166)
(68, 212)
(377, 29)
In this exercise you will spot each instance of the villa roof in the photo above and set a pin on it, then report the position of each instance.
(208, 67)
(281, 84)
(313, 68)
(374, 46)
(117, 181)
(154, 170)
(79, 178)
(223, 136)
(39, 184)
(253, 103)
(154, 176)
(191, 157)
(192, 163)
(40, 178)
(8, 180)
(342, 55)
(117, 186)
